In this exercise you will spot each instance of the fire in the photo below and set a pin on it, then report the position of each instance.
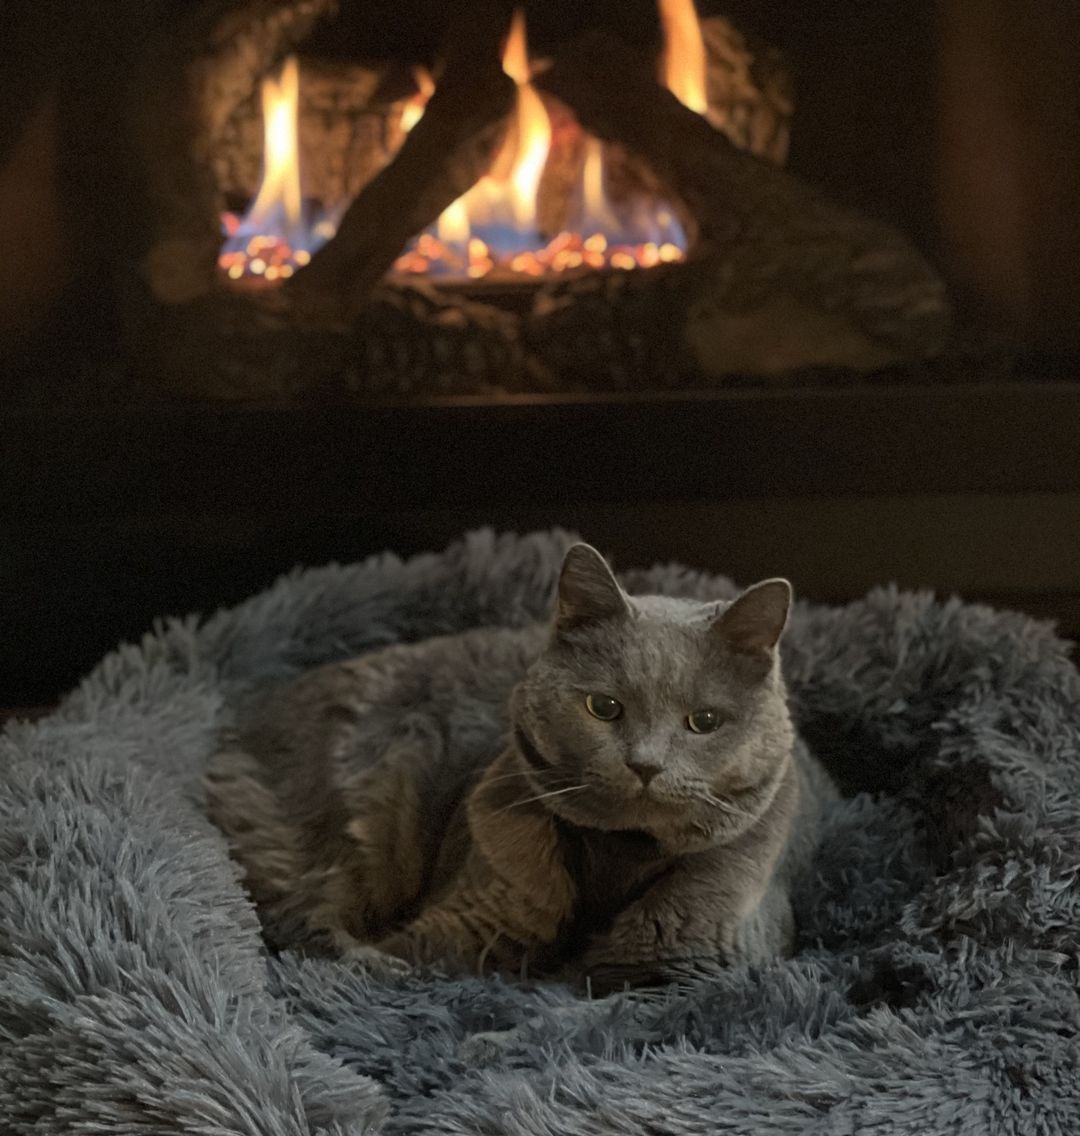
(414, 108)
(520, 164)
(682, 63)
(494, 226)
(274, 237)
(497, 216)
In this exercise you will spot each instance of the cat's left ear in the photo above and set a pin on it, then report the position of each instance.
(753, 624)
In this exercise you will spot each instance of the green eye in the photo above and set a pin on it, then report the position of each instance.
(603, 706)
(703, 721)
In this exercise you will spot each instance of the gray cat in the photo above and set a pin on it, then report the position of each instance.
(619, 796)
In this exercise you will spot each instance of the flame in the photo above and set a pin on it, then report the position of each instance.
(505, 198)
(280, 188)
(515, 60)
(497, 216)
(494, 225)
(520, 163)
(682, 62)
(453, 223)
(414, 108)
(274, 237)
(597, 211)
(640, 233)
(533, 141)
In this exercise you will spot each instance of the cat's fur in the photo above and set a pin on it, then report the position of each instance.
(455, 801)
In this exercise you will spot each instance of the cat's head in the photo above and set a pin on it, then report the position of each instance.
(654, 714)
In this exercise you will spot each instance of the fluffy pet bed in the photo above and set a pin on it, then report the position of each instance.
(934, 990)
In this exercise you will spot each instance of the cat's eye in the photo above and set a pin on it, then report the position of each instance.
(703, 721)
(603, 706)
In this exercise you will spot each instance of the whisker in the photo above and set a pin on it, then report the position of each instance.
(541, 797)
(506, 776)
(725, 806)
(538, 775)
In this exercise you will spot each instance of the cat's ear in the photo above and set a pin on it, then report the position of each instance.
(753, 624)
(588, 591)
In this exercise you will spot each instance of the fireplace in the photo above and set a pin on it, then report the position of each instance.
(329, 277)
(509, 214)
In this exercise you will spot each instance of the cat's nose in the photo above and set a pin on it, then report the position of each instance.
(645, 769)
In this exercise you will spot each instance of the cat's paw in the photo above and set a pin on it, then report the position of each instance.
(377, 963)
(600, 979)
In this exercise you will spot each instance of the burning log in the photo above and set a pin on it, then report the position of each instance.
(447, 151)
(783, 277)
(746, 93)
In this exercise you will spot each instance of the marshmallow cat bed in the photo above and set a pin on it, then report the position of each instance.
(934, 990)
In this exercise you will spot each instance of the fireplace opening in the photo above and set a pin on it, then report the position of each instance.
(504, 213)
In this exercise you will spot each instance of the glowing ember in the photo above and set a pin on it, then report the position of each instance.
(276, 236)
(493, 228)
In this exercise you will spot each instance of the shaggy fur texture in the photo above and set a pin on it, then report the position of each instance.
(934, 990)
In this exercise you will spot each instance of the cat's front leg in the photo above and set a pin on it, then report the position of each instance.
(459, 937)
(476, 929)
(511, 898)
(689, 925)
(506, 908)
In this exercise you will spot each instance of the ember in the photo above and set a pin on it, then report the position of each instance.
(568, 251)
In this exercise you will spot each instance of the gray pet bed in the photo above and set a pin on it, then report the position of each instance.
(934, 990)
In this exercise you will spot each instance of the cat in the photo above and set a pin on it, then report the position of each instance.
(619, 796)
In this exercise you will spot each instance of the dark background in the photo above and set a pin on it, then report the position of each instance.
(957, 121)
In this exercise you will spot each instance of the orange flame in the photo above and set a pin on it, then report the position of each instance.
(274, 237)
(281, 162)
(597, 213)
(682, 63)
(414, 108)
(494, 224)
(507, 195)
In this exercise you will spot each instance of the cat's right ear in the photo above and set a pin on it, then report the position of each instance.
(588, 592)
